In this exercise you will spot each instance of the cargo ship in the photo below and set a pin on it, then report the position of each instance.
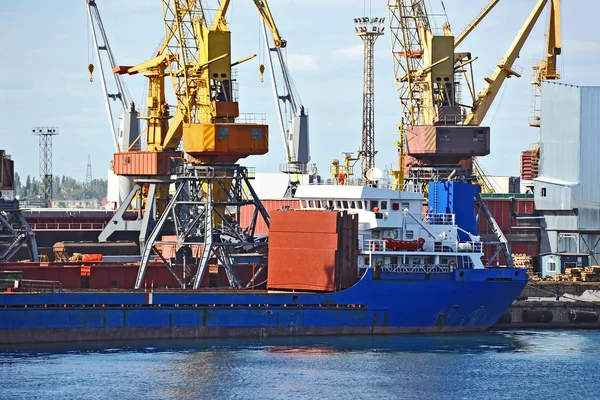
(351, 260)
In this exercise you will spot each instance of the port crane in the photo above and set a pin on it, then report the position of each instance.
(126, 131)
(443, 135)
(192, 202)
(428, 73)
(289, 109)
(547, 69)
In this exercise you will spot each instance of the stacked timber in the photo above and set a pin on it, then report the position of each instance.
(522, 260)
(585, 274)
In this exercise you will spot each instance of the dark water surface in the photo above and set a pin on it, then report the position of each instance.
(496, 365)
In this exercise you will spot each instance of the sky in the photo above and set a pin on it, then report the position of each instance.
(44, 80)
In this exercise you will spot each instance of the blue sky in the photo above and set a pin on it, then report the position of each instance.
(44, 79)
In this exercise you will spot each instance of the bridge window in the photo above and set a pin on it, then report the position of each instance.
(405, 204)
(410, 235)
(345, 204)
(256, 134)
(465, 262)
(338, 205)
(352, 205)
(223, 133)
(310, 204)
(330, 203)
(359, 205)
(373, 204)
(384, 205)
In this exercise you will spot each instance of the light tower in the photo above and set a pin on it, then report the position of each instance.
(88, 172)
(45, 135)
(368, 29)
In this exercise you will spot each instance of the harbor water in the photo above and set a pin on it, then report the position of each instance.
(494, 365)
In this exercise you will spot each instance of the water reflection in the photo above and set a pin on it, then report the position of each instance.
(410, 366)
(461, 343)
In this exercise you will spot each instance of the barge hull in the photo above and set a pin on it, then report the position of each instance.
(465, 300)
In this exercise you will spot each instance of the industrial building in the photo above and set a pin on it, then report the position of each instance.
(567, 190)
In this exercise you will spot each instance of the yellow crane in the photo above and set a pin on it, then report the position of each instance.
(547, 69)
(196, 56)
(428, 73)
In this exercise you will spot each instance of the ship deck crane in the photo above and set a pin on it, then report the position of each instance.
(124, 133)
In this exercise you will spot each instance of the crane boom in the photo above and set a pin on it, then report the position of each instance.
(121, 92)
(504, 69)
(486, 10)
(554, 47)
(288, 105)
(265, 12)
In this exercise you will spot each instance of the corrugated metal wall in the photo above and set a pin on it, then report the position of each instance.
(568, 190)
(559, 134)
(587, 194)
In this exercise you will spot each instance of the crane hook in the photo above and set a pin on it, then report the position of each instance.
(261, 69)
(91, 69)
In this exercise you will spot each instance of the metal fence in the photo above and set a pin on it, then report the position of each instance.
(39, 286)
(416, 268)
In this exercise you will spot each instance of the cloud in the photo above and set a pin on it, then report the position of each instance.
(581, 49)
(299, 62)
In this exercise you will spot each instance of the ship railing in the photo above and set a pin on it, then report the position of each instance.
(44, 226)
(439, 219)
(457, 247)
(383, 184)
(379, 245)
(416, 268)
(40, 286)
(372, 245)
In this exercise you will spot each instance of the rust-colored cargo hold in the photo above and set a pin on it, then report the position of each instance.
(304, 222)
(312, 250)
(145, 163)
(246, 213)
(244, 272)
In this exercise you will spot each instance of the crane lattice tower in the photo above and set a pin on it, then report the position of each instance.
(368, 29)
(45, 134)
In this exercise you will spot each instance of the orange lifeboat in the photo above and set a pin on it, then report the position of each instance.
(407, 245)
(92, 257)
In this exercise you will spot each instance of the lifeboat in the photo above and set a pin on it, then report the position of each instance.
(407, 245)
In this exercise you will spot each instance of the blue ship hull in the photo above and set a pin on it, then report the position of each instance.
(463, 300)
